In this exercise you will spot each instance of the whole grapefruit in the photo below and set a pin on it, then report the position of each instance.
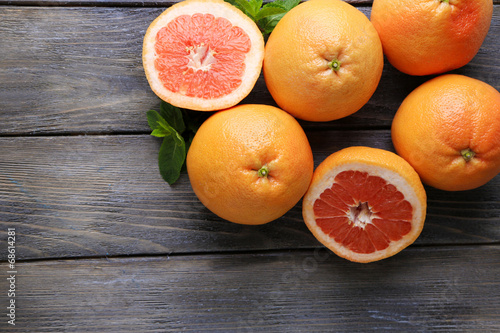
(323, 61)
(250, 164)
(422, 37)
(448, 129)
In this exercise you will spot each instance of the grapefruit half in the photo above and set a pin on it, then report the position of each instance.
(202, 55)
(365, 204)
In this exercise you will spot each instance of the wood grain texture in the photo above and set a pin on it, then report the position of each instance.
(86, 77)
(103, 196)
(437, 289)
(105, 245)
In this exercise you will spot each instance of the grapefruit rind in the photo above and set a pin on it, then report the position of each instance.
(218, 8)
(412, 190)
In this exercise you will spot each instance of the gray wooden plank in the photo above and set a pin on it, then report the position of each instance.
(81, 77)
(103, 196)
(86, 77)
(436, 289)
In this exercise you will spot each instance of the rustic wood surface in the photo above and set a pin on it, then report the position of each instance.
(103, 244)
(87, 78)
(432, 289)
(103, 195)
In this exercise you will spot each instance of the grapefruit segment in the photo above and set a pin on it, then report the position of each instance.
(202, 55)
(332, 225)
(379, 240)
(365, 204)
(344, 196)
(393, 229)
(331, 198)
(323, 209)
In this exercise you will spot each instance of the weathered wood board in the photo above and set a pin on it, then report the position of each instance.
(431, 289)
(103, 244)
(87, 76)
(75, 196)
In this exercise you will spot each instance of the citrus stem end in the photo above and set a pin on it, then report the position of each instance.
(263, 171)
(334, 65)
(467, 154)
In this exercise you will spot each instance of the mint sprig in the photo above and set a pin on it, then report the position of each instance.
(177, 129)
(266, 16)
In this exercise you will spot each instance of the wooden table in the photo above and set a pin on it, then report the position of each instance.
(103, 244)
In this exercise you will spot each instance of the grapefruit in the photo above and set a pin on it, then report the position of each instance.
(323, 60)
(250, 164)
(202, 55)
(448, 129)
(423, 37)
(365, 204)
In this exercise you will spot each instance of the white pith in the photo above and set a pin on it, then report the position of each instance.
(360, 214)
(200, 57)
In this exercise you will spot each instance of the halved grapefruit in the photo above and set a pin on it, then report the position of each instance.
(365, 204)
(202, 55)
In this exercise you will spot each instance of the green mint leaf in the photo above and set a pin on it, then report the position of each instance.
(278, 4)
(177, 127)
(269, 11)
(256, 4)
(269, 23)
(173, 116)
(160, 132)
(289, 4)
(158, 124)
(265, 16)
(153, 119)
(285, 4)
(171, 157)
(165, 127)
(245, 6)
